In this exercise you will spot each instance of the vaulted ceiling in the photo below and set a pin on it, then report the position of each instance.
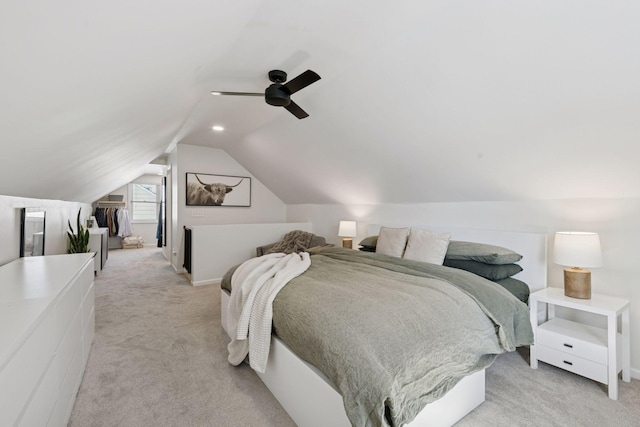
(419, 101)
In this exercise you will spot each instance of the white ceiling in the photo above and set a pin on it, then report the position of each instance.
(419, 101)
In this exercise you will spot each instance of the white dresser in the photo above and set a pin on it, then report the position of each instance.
(47, 322)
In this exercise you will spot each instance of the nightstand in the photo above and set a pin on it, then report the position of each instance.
(595, 353)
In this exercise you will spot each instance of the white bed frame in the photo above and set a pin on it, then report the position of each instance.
(309, 398)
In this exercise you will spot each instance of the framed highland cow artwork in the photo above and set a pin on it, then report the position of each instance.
(218, 190)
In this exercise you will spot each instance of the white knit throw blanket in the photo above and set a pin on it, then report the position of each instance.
(254, 286)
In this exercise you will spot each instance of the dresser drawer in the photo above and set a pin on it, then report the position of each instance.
(67, 307)
(576, 339)
(68, 390)
(86, 280)
(70, 343)
(572, 363)
(43, 401)
(20, 377)
(87, 336)
(87, 305)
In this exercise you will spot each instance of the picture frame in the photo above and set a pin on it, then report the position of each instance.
(203, 189)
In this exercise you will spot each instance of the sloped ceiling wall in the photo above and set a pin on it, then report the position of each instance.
(418, 102)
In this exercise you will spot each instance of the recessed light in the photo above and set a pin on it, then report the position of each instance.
(217, 128)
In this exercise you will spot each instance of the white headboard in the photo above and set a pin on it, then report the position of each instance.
(532, 247)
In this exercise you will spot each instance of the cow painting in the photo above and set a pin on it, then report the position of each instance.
(202, 193)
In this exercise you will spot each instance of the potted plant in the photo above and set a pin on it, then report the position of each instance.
(79, 240)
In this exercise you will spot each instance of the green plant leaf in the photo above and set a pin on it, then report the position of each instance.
(78, 239)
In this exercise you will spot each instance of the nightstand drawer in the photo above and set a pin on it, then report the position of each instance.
(586, 342)
(571, 363)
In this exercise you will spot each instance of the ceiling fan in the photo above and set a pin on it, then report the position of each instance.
(279, 93)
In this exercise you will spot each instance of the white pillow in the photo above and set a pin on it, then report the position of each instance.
(427, 246)
(392, 241)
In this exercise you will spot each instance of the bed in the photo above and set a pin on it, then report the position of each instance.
(313, 398)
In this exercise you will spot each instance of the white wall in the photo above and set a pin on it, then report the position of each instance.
(57, 214)
(216, 248)
(617, 221)
(265, 206)
(169, 250)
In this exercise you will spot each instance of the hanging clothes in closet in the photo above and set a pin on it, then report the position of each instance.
(117, 220)
(101, 217)
(124, 223)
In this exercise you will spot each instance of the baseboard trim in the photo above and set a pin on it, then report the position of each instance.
(635, 374)
(206, 282)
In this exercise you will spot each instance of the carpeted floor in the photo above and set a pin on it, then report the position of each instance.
(159, 354)
(159, 359)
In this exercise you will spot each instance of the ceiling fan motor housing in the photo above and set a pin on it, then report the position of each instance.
(277, 76)
(277, 95)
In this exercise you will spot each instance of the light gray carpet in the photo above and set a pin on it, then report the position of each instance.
(159, 359)
(159, 354)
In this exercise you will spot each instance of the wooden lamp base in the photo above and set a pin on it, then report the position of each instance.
(347, 242)
(577, 283)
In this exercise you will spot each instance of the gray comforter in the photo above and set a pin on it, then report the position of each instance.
(392, 334)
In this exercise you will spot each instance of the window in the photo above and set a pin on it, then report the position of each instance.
(145, 202)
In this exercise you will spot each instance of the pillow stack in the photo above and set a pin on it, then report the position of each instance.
(410, 243)
(489, 261)
(492, 262)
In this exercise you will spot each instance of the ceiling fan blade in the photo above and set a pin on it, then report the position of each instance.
(216, 92)
(302, 81)
(294, 109)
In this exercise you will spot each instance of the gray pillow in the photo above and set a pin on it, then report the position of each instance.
(481, 252)
(516, 287)
(488, 271)
(369, 242)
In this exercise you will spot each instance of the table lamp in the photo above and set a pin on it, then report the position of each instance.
(577, 250)
(347, 230)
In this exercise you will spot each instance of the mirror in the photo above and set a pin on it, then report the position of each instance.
(32, 228)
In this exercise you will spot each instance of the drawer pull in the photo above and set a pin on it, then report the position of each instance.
(568, 363)
(568, 345)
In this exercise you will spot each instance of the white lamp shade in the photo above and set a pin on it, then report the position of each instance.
(577, 249)
(347, 229)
